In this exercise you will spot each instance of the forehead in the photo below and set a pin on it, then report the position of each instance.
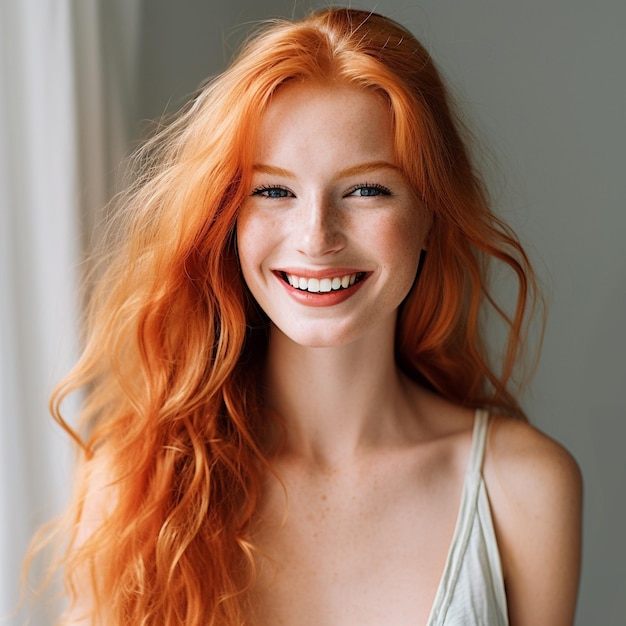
(330, 117)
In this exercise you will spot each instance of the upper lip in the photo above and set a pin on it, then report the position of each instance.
(330, 272)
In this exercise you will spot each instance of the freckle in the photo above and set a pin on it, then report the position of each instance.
(324, 497)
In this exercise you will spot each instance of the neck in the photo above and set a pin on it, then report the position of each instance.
(337, 400)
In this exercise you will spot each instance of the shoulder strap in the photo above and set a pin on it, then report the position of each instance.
(479, 437)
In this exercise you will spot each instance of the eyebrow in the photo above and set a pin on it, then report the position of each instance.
(353, 170)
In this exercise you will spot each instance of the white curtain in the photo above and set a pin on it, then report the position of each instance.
(66, 98)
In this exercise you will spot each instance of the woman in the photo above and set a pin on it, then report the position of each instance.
(291, 414)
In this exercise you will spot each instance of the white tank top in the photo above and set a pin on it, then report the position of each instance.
(471, 590)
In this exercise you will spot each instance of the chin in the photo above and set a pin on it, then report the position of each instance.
(328, 333)
(311, 337)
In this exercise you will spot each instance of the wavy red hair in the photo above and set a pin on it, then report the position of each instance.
(174, 340)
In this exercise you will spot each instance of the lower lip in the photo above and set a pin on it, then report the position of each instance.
(321, 299)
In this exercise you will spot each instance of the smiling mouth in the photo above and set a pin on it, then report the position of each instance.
(322, 285)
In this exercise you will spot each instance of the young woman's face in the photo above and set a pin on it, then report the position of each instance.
(330, 235)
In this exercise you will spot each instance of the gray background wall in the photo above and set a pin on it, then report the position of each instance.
(543, 81)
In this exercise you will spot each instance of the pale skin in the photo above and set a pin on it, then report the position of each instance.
(373, 466)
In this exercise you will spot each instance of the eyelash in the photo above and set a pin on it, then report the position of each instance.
(385, 191)
(259, 191)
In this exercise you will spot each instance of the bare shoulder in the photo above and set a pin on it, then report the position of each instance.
(96, 495)
(533, 466)
(535, 491)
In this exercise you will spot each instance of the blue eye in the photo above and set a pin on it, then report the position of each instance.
(368, 190)
(272, 192)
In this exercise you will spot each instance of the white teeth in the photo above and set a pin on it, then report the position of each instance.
(323, 285)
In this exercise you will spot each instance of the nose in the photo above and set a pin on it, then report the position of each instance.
(320, 229)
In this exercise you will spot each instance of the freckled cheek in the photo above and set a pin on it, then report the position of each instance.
(400, 241)
(256, 237)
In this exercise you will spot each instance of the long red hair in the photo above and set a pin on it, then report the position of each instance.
(174, 340)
